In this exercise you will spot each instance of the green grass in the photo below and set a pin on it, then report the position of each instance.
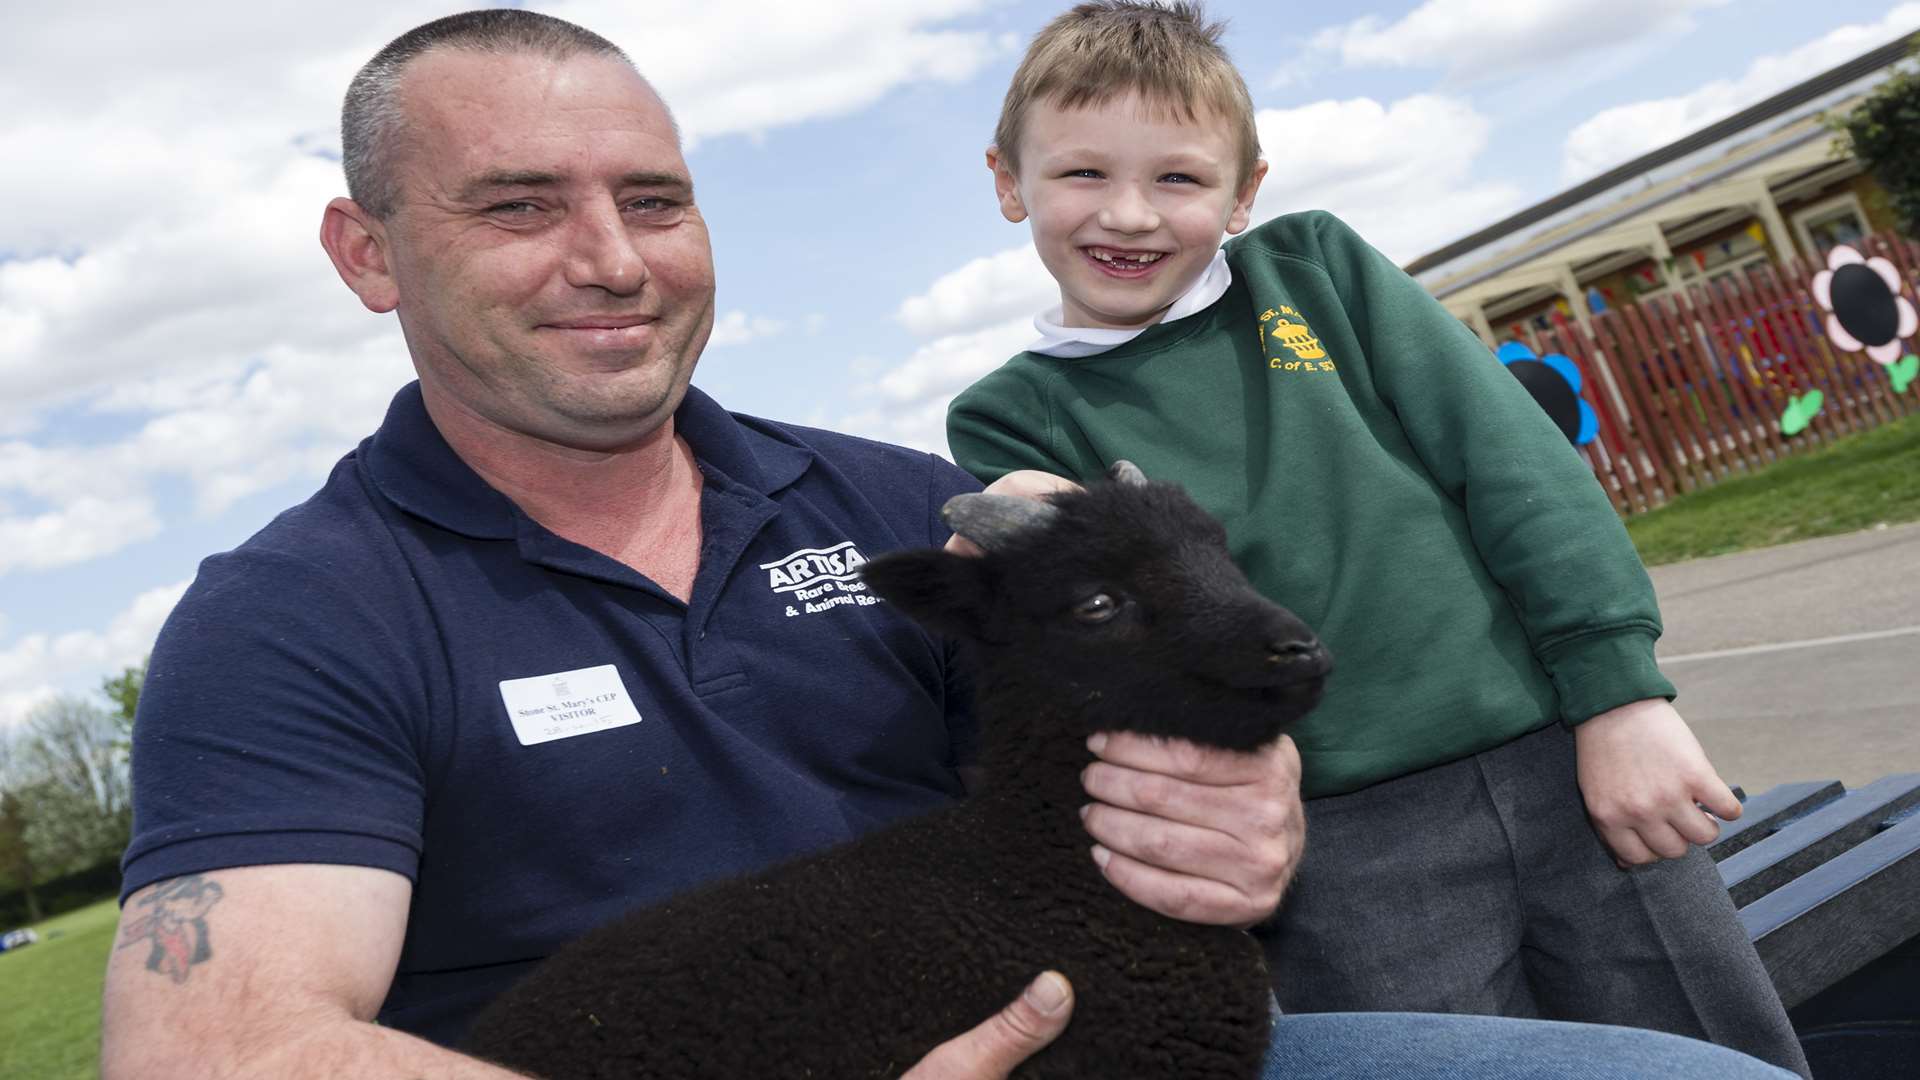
(50, 997)
(1856, 483)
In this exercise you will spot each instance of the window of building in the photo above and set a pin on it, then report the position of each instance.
(1648, 281)
(1828, 224)
(1733, 254)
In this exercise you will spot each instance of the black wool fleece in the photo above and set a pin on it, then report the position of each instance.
(1124, 613)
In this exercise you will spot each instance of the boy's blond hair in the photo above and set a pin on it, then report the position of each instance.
(1106, 49)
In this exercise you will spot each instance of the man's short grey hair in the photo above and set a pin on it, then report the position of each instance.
(371, 120)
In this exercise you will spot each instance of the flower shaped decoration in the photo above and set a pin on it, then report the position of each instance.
(1865, 310)
(1554, 382)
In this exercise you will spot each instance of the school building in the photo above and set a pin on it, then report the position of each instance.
(1764, 186)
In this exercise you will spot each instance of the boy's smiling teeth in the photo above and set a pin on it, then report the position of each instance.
(1108, 255)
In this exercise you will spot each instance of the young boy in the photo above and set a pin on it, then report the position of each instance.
(1379, 473)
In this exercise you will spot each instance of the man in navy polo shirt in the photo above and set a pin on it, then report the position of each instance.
(563, 636)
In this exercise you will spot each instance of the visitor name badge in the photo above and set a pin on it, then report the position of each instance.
(568, 703)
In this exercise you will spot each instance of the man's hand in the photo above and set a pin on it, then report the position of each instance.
(1030, 483)
(1202, 835)
(1642, 773)
(1197, 834)
(1011, 1036)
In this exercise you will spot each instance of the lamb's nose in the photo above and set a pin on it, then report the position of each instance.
(1295, 652)
(1286, 652)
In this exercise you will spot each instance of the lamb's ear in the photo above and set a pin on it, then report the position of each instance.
(947, 593)
(1127, 473)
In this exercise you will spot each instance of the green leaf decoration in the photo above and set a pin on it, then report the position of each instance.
(1800, 412)
(1902, 372)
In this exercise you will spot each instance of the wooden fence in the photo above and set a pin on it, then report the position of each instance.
(1691, 388)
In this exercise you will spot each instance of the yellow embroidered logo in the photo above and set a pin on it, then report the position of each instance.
(1289, 329)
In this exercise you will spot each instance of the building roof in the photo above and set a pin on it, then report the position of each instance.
(1833, 83)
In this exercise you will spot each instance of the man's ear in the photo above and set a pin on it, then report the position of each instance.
(1243, 202)
(947, 593)
(1006, 186)
(356, 241)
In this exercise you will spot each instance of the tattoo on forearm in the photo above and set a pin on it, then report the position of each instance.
(174, 925)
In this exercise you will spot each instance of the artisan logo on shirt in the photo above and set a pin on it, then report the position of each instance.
(1289, 344)
(819, 579)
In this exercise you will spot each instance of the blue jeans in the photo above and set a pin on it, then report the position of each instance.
(1426, 1046)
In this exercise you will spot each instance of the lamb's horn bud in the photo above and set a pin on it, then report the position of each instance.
(1126, 472)
(989, 520)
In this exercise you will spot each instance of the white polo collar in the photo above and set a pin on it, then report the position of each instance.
(1070, 342)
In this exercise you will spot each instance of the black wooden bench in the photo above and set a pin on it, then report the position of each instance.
(1827, 882)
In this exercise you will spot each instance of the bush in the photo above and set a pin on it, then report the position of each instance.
(64, 893)
(1881, 129)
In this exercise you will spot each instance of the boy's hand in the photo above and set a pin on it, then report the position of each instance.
(1642, 773)
(1031, 483)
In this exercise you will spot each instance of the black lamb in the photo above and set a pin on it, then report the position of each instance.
(1113, 609)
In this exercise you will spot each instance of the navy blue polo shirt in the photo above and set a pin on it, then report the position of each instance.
(408, 672)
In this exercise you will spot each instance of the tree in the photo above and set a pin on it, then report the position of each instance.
(1881, 129)
(123, 690)
(66, 800)
(16, 855)
(84, 798)
(68, 797)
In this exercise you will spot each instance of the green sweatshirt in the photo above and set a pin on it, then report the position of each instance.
(1379, 473)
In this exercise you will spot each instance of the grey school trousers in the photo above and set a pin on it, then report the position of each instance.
(1481, 887)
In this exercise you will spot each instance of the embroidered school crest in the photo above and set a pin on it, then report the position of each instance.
(1298, 337)
(1284, 331)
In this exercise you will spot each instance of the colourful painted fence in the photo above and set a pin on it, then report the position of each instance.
(1691, 389)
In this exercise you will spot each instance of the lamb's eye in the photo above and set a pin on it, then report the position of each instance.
(1097, 608)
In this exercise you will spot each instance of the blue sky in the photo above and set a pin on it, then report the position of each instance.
(178, 362)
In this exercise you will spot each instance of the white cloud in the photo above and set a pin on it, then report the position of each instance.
(84, 528)
(993, 288)
(67, 506)
(950, 363)
(169, 270)
(738, 328)
(909, 401)
(782, 62)
(17, 705)
(166, 272)
(293, 414)
(1626, 131)
(290, 414)
(199, 95)
(38, 666)
(173, 223)
(176, 295)
(1361, 159)
(1476, 38)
